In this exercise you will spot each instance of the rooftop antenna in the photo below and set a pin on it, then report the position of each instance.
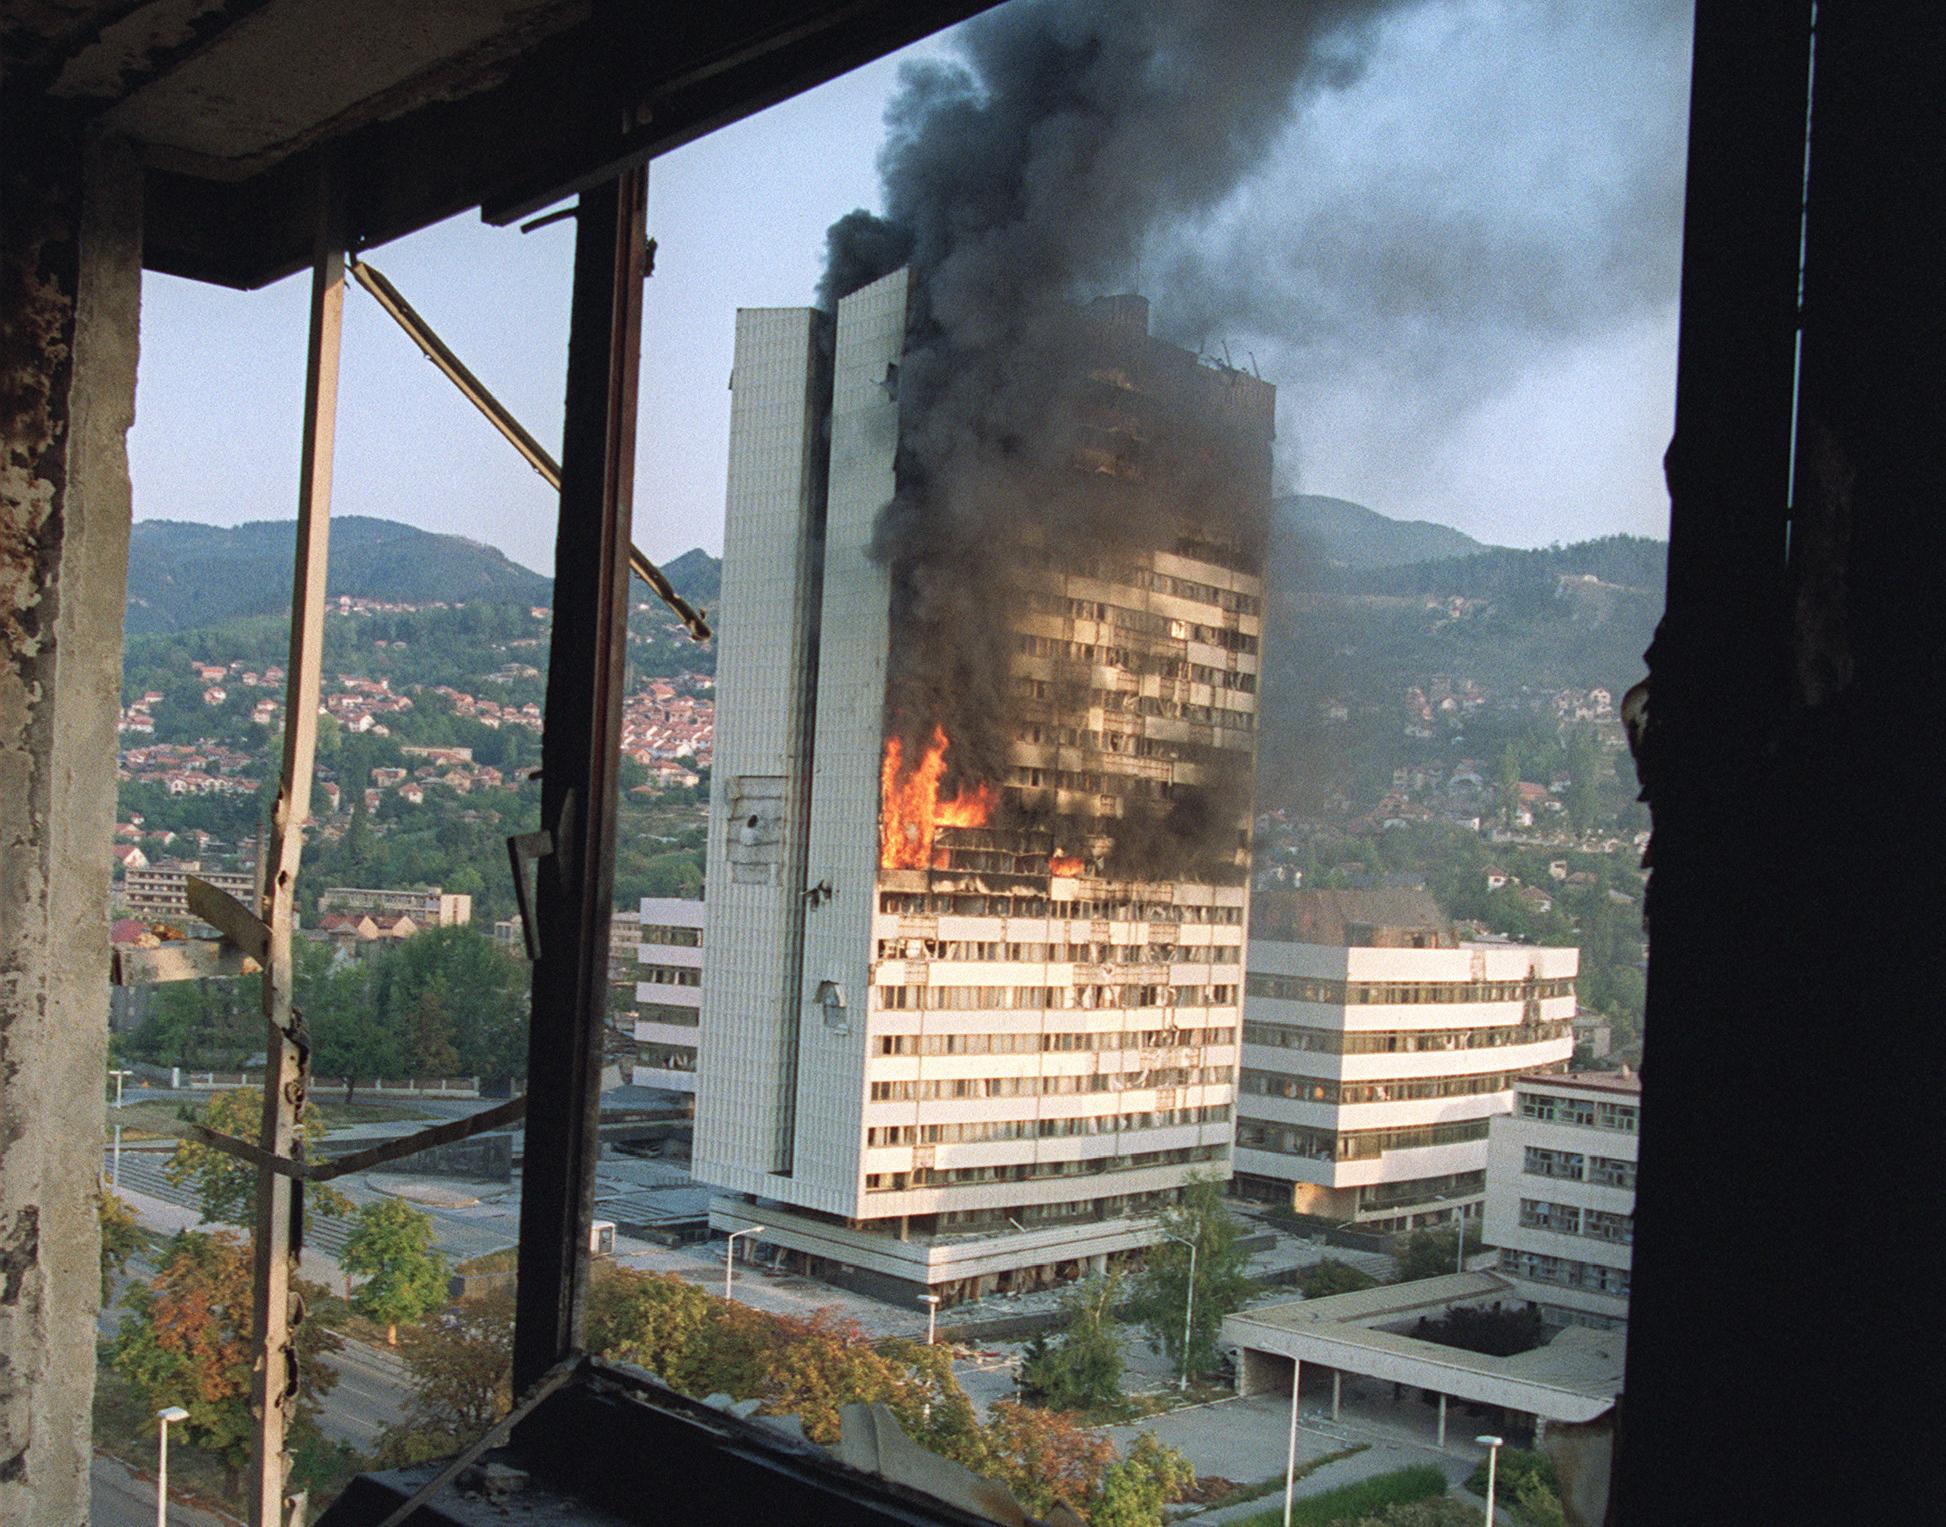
(1226, 356)
(1253, 367)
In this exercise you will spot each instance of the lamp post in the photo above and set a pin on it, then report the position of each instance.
(1189, 1307)
(1290, 1461)
(729, 1253)
(1493, 1446)
(1459, 1227)
(115, 1173)
(165, 1415)
(931, 1302)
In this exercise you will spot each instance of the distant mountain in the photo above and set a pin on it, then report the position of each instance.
(1517, 623)
(1339, 533)
(696, 575)
(182, 576)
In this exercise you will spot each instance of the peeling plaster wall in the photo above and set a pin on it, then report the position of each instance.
(70, 297)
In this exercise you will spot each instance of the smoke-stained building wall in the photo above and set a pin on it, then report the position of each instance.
(1014, 1030)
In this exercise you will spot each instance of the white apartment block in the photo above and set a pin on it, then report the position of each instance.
(1561, 1194)
(1377, 1048)
(668, 993)
(160, 892)
(428, 906)
(939, 1056)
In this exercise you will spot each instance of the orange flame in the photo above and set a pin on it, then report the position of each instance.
(1059, 863)
(910, 810)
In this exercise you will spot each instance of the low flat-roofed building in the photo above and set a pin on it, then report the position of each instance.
(1376, 1049)
(1561, 1194)
(1569, 1382)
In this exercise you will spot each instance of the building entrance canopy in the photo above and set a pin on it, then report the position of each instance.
(1575, 1378)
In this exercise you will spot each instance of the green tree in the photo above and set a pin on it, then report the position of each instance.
(1586, 767)
(1526, 1480)
(1509, 785)
(1133, 1492)
(226, 1185)
(429, 1039)
(1536, 1503)
(202, 1023)
(1162, 1289)
(482, 987)
(1330, 1276)
(1084, 1368)
(121, 1238)
(1430, 1253)
(349, 1038)
(390, 1247)
(186, 1341)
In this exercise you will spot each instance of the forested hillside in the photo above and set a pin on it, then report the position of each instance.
(182, 575)
(1518, 625)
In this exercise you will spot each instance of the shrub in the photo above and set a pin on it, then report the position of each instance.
(1442, 1512)
(1322, 1279)
(1516, 1464)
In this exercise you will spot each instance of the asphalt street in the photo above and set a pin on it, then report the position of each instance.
(124, 1498)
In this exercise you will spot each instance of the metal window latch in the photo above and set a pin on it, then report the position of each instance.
(526, 848)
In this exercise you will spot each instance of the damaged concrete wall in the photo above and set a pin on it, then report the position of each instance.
(70, 297)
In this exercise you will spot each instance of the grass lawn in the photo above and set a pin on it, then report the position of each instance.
(1347, 1503)
(1275, 1484)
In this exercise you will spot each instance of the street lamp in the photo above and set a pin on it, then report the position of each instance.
(729, 1253)
(115, 1173)
(1493, 1446)
(931, 1302)
(1189, 1307)
(165, 1415)
(1290, 1466)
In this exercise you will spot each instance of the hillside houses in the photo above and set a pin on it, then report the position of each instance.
(664, 723)
(489, 712)
(201, 768)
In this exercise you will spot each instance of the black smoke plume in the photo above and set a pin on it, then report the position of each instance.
(1019, 181)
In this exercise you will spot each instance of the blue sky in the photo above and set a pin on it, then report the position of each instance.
(1459, 269)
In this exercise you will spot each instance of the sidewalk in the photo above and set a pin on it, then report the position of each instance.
(1247, 1440)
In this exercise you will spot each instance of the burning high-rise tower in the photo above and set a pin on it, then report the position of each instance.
(981, 794)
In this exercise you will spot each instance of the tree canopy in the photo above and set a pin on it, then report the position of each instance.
(186, 1341)
(1084, 1367)
(390, 1247)
(228, 1186)
(1162, 1289)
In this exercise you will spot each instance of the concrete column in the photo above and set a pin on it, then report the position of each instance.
(1540, 1430)
(1337, 1391)
(1442, 1421)
(70, 300)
